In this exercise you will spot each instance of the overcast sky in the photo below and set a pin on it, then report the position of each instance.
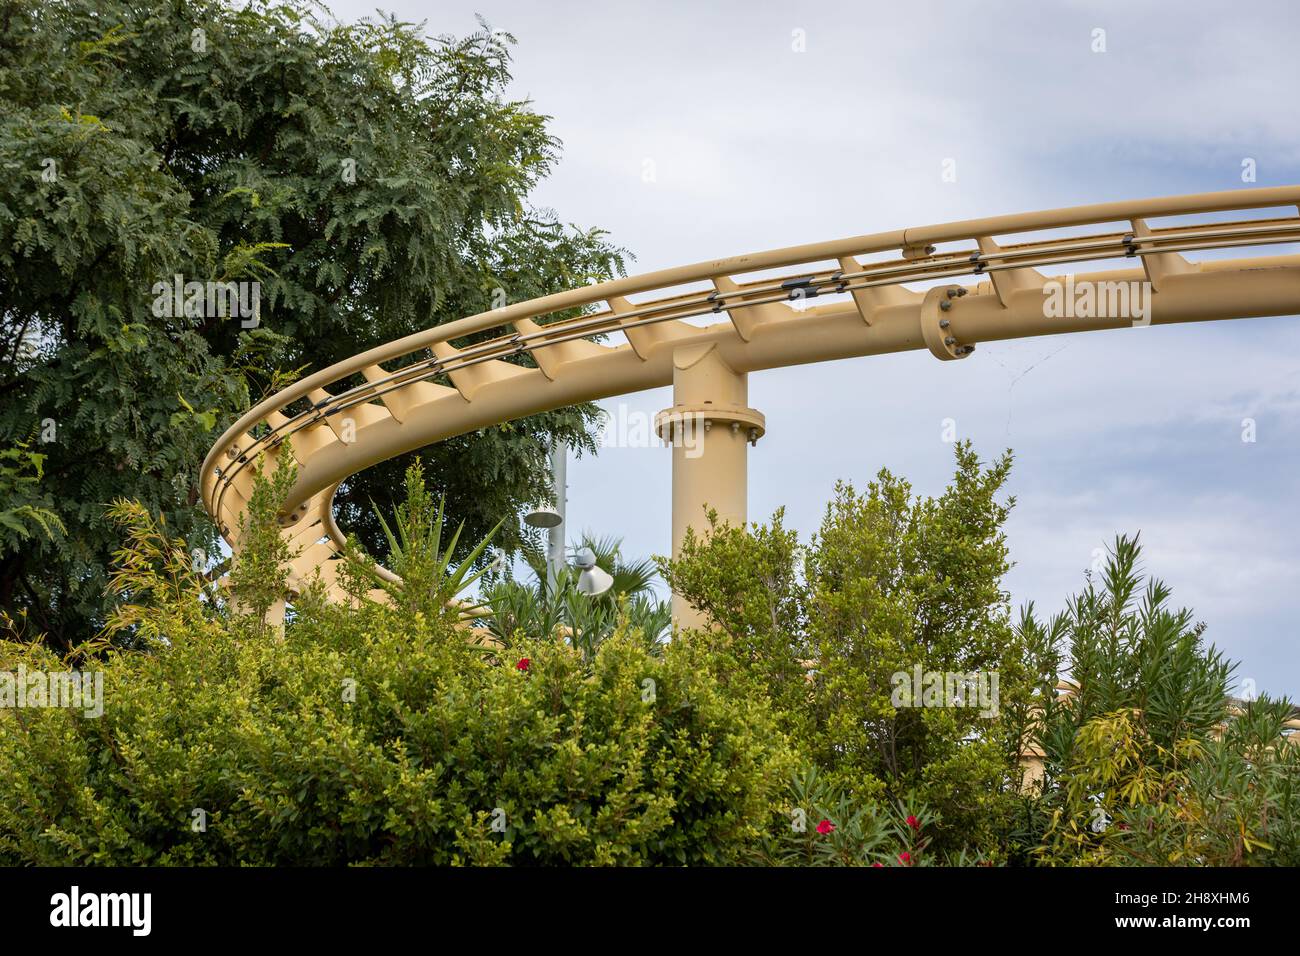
(756, 145)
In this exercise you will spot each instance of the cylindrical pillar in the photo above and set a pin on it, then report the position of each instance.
(555, 535)
(709, 427)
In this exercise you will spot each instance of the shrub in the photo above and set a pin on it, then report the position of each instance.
(892, 581)
(558, 610)
(638, 759)
(823, 826)
(374, 734)
(1145, 762)
(382, 733)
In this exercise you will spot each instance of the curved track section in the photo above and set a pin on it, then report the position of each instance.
(425, 388)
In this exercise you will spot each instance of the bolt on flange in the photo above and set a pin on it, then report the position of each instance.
(935, 329)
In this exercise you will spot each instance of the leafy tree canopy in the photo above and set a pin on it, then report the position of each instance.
(373, 181)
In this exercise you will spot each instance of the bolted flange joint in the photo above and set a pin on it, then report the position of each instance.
(936, 328)
(676, 424)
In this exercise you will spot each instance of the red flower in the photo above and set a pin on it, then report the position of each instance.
(905, 858)
(877, 864)
(1122, 826)
(523, 664)
(825, 827)
(913, 822)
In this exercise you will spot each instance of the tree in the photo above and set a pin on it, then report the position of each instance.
(1147, 761)
(891, 585)
(371, 181)
(27, 510)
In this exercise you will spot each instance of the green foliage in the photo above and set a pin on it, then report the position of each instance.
(159, 589)
(823, 826)
(260, 735)
(27, 508)
(748, 586)
(519, 610)
(388, 731)
(259, 575)
(374, 734)
(1128, 650)
(1139, 767)
(430, 576)
(1237, 804)
(1227, 800)
(145, 140)
(890, 582)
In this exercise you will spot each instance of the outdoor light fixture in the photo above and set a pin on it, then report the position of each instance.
(543, 516)
(591, 579)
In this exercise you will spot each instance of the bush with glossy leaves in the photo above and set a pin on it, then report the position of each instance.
(374, 733)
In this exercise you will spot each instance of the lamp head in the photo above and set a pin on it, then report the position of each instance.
(593, 581)
(543, 516)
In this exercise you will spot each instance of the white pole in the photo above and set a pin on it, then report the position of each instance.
(555, 536)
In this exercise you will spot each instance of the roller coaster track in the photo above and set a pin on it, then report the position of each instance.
(422, 389)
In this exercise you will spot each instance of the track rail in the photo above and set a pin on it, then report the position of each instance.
(434, 390)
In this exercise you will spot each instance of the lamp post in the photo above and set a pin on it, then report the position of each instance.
(555, 536)
(551, 517)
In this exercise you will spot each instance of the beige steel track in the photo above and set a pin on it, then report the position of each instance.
(421, 389)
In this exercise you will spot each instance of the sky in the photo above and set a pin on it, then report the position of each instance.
(775, 124)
